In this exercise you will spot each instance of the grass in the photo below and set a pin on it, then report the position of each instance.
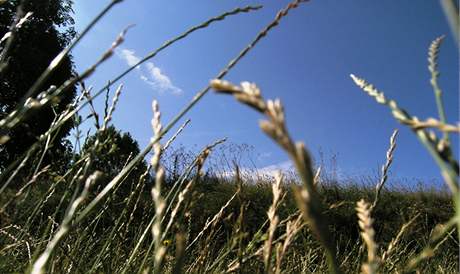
(431, 208)
(151, 217)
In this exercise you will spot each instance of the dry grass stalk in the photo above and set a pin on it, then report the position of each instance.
(182, 195)
(10, 36)
(43, 99)
(157, 127)
(19, 24)
(160, 205)
(214, 220)
(160, 249)
(53, 93)
(39, 265)
(180, 200)
(108, 116)
(434, 123)
(179, 131)
(385, 168)
(21, 190)
(433, 52)
(274, 220)
(22, 164)
(439, 235)
(180, 254)
(400, 114)
(438, 150)
(292, 228)
(54, 64)
(317, 178)
(451, 12)
(253, 251)
(86, 92)
(139, 188)
(391, 246)
(365, 220)
(119, 224)
(275, 127)
(177, 185)
(198, 163)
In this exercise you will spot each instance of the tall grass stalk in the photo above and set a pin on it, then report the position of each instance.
(60, 57)
(440, 150)
(10, 39)
(40, 263)
(308, 198)
(385, 168)
(177, 185)
(365, 220)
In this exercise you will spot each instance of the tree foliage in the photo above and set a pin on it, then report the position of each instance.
(37, 42)
(112, 153)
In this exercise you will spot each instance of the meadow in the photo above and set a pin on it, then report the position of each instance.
(111, 207)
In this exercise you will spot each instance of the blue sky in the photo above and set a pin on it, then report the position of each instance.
(305, 61)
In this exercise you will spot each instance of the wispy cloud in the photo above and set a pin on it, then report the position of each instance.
(129, 56)
(160, 80)
(263, 156)
(284, 167)
(149, 73)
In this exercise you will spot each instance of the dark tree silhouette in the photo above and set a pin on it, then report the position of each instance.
(36, 44)
(115, 149)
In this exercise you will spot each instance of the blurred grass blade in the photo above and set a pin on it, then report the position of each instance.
(450, 8)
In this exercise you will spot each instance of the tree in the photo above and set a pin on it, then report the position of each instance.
(36, 44)
(112, 153)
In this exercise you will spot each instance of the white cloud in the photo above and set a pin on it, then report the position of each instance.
(129, 56)
(284, 167)
(160, 80)
(149, 73)
(267, 172)
(264, 155)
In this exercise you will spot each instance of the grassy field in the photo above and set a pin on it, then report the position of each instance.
(106, 241)
(106, 209)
